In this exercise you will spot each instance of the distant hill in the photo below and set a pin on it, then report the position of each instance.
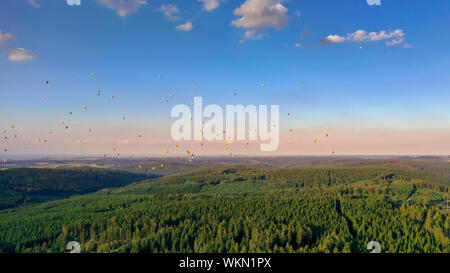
(248, 180)
(29, 185)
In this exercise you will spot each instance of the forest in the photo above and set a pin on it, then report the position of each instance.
(32, 185)
(234, 209)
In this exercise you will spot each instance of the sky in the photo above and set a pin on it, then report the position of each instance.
(375, 78)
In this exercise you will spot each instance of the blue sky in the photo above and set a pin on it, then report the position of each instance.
(306, 53)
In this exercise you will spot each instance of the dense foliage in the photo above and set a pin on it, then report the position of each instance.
(239, 209)
(27, 185)
(246, 180)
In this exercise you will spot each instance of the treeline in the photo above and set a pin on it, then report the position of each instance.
(200, 181)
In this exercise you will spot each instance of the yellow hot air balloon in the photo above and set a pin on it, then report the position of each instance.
(263, 85)
(62, 122)
(85, 107)
(162, 165)
(196, 87)
(176, 145)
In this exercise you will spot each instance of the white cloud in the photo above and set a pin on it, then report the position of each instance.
(252, 34)
(124, 7)
(298, 45)
(397, 36)
(21, 55)
(33, 3)
(332, 39)
(382, 35)
(358, 35)
(395, 42)
(15, 54)
(210, 5)
(4, 37)
(185, 27)
(257, 14)
(169, 11)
